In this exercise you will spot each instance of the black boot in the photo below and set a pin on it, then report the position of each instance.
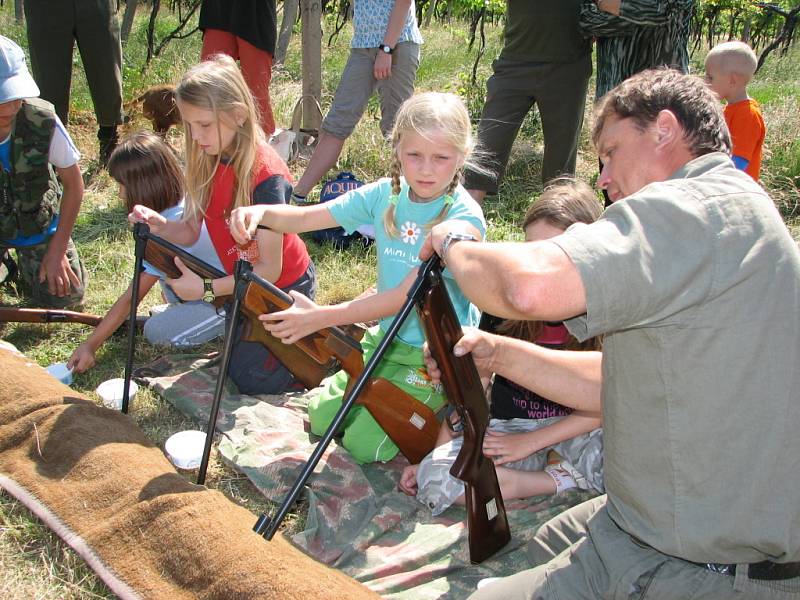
(107, 135)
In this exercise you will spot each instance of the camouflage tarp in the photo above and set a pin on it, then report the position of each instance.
(358, 521)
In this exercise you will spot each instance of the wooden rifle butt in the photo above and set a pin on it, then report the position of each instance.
(306, 370)
(409, 423)
(486, 514)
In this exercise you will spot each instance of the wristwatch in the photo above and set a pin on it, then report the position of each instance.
(208, 290)
(385, 48)
(453, 237)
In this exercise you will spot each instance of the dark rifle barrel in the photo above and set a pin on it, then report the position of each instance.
(242, 269)
(161, 254)
(266, 525)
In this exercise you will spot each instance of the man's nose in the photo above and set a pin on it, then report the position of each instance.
(604, 179)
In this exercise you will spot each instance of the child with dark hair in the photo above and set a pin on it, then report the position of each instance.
(148, 173)
(525, 426)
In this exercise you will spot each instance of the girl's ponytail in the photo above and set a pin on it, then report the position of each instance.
(388, 217)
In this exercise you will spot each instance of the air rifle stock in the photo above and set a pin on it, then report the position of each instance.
(408, 422)
(52, 315)
(41, 315)
(486, 515)
(161, 254)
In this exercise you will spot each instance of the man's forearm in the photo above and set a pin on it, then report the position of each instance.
(529, 281)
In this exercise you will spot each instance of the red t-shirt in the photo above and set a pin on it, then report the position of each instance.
(272, 174)
(747, 132)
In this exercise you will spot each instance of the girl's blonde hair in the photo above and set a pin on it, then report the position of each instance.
(429, 114)
(217, 85)
(564, 202)
(148, 168)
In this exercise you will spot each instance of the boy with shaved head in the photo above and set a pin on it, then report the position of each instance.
(729, 68)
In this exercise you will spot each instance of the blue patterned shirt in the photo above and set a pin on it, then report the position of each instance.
(370, 19)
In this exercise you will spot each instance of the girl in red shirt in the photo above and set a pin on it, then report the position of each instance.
(228, 165)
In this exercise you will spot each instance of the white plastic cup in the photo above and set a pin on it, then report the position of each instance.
(110, 392)
(185, 449)
(61, 372)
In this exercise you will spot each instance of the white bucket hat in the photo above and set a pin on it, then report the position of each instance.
(15, 80)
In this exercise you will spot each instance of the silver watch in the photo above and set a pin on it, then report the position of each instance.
(453, 237)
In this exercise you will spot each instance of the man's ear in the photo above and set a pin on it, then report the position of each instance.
(667, 129)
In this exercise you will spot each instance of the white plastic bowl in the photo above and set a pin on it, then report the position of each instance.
(185, 449)
(110, 392)
(61, 372)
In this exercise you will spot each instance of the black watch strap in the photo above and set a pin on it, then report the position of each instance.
(385, 48)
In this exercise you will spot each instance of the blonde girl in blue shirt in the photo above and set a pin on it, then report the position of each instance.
(431, 142)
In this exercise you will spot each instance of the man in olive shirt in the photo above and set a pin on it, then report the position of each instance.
(544, 61)
(695, 281)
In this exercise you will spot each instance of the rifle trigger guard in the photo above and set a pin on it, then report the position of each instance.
(458, 427)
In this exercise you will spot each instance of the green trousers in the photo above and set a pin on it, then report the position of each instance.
(363, 437)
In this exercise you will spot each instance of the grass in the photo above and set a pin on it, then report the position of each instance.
(36, 564)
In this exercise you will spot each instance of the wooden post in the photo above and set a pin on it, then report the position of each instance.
(127, 19)
(311, 15)
(19, 11)
(290, 10)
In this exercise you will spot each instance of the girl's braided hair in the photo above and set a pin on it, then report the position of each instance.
(428, 114)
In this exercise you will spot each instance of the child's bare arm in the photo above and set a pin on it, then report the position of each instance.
(305, 317)
(55, 267)
(510, 447)
(278, 217)
(83, 358)
(183, 233)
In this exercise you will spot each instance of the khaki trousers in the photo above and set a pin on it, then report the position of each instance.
(583, 554)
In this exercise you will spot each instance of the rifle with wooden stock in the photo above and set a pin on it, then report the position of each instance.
(46, 315)
(161, 254)
(410, 424)
(486, 514)
(52, 315)
(487, 521)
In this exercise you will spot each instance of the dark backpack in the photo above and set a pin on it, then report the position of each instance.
(333, 188)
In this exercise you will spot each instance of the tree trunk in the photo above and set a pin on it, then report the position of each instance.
(311, 15)
(127, 19)
(19, 11)
(290, 10)
(429, 13)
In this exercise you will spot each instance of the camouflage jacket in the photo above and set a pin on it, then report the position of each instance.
(29, 193)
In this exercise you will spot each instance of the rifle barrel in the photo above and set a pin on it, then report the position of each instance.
(40, 315)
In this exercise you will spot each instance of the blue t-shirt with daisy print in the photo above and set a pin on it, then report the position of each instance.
(398, 256)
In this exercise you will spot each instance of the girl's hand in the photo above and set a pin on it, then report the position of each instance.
(82, 359)
(480, 344)
(244, 221)
(504, 448)
(189, 286)
(408, 480)
(143, 214)
(299, 320)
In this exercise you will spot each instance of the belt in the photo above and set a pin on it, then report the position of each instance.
(765, 570)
